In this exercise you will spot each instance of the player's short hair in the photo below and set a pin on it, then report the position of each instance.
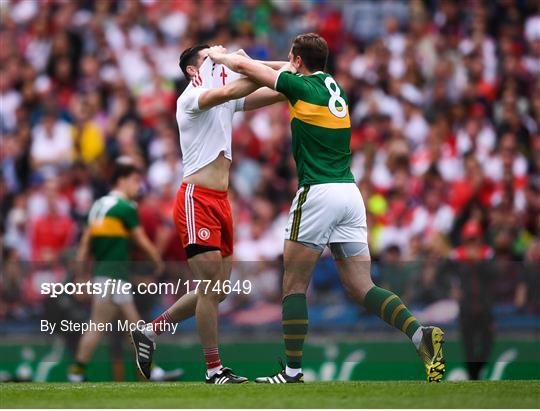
(313, 49)
(189, 57)
(124, 166)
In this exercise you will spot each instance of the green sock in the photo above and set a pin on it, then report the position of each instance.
(391, 309)
(295, 326)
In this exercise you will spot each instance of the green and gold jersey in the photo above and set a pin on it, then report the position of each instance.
(110, 220)
(321, 127)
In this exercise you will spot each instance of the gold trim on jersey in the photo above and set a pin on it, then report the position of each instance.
(108, 227)
(318, 115)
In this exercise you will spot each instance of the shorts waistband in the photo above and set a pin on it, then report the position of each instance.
(204, 190)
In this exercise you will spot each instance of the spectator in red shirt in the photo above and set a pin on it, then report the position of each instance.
(473, 247)
(52, 232)
(473, 184)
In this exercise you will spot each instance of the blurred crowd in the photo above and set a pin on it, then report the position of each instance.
(445, 108)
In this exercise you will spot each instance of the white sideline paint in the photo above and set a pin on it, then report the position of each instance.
(505, 358)
(51, 360)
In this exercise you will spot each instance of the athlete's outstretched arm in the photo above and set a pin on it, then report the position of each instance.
(263, 97)
(253, 69)
(276, 65)
(232, 91)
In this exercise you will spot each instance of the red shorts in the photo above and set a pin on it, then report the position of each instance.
(203, 216)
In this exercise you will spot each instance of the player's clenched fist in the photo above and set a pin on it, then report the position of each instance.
(212, 51)
(288, 67)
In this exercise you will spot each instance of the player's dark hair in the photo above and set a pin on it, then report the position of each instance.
(189, 57)
(123, 167)
(313, 49)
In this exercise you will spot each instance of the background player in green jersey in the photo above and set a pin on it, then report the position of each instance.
(113, 222)
(328, 208)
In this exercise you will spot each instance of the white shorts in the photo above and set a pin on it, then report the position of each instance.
(112, 293)
(329, 213)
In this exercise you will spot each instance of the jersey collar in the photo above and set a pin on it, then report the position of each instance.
(118, 194)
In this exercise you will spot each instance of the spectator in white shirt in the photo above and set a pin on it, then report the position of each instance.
(11, 99)
(416, 127)
(433, 215)
(478, 137)
(52, 143)
(507, 153)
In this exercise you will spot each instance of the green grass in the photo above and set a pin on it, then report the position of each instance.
(486, 394)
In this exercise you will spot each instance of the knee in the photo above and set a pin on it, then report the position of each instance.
(357, 291)
(292, 285)
(212, 294)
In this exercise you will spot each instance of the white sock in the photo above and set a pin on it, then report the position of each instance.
(149, 333)
(292, 372)
(417, 337)
(156, 373)
(212, 371)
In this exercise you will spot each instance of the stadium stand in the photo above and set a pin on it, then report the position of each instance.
(445, 103)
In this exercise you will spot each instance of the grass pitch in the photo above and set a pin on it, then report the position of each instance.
(485, 394)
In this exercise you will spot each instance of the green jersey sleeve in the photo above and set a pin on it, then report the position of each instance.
(293, 86)
(130, 216)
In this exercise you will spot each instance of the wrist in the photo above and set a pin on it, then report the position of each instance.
(216, 56)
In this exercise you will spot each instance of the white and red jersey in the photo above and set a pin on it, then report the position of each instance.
(204, 134)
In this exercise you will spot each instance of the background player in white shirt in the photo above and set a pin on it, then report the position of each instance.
(202, 213)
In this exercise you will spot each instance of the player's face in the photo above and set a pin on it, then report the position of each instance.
(201, 57)
(133, 184)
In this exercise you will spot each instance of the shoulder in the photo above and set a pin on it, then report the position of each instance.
(188, 91)
(294, 76)
(292, 85)
(125, 210)
(287, 76)
(62, 127)
(127, 204)
(189, 99)
(118, 205)
(101, 200)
